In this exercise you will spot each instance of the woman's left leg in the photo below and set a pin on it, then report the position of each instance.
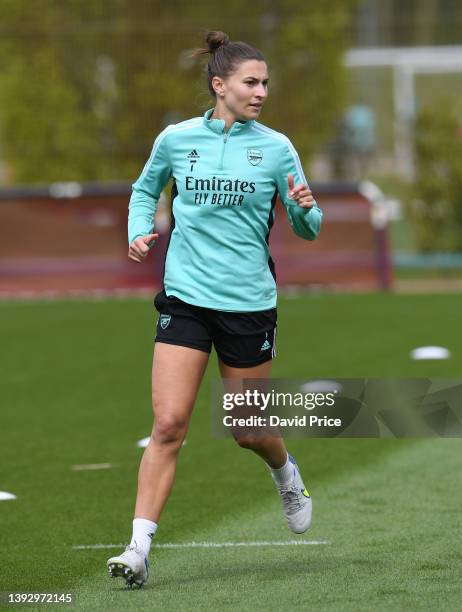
(272, 449)
(295, 498)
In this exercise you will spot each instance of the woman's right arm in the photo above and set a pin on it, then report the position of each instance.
(145, 195)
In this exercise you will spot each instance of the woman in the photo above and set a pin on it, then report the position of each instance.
(219, 282)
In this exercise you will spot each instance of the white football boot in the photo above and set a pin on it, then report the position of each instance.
(132, 565)
(296, 502)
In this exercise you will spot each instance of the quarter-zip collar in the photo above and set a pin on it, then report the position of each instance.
(218, 125)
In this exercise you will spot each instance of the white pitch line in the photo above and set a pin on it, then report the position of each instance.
(92, 466)
(212, 544)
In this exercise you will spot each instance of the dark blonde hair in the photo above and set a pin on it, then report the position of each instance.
(225, 56)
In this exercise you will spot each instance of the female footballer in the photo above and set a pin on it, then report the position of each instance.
(219, 281)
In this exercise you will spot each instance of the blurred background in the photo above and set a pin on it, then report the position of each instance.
(370, 92)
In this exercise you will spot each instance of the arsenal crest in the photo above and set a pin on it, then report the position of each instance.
(254, 156)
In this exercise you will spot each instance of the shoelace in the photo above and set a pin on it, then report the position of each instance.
(291, 497)
(135, 549)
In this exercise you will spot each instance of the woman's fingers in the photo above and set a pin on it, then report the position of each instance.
(135, 254)
(293, 191)
(139, 248)
(134, 257)
(303, 196)
(300, 193)
(290, 184)
(296, 191)
(149, 238)
(306, 199)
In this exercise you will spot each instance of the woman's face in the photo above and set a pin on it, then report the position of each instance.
(244, 92)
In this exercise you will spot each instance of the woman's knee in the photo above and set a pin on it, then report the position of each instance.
(169, 430)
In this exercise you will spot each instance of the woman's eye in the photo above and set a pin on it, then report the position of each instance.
(253, 83)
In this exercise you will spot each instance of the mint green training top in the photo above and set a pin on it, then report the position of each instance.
(225, 186)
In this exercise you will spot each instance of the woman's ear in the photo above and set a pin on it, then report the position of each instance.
(218, 86)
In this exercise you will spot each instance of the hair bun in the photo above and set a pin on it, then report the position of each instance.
(215, 40)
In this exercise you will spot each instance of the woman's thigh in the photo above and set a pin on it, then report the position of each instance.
(177, 372)
(261, 371)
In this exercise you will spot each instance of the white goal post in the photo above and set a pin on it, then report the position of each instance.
(406, 62)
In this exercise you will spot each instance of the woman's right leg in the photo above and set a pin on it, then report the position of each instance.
(177, 372)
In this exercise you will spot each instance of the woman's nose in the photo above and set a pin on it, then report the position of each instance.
(261, 91)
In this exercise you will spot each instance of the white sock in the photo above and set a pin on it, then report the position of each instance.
(143, 532)
(284, 475)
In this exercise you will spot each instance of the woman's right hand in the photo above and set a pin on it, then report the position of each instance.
(139, 248)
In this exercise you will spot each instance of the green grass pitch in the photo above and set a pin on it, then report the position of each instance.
(76, 390)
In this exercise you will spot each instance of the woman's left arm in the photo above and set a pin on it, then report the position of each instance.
(304, 214)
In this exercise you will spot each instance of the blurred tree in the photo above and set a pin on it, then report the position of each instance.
(436, 207)
(85, 87)
(426, 22)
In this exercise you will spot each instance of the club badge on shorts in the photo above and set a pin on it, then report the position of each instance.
(254, 156)
(165, 320)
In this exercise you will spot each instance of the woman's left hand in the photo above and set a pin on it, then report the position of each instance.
(300, 194)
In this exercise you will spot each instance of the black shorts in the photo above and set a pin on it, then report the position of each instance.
(241, 339)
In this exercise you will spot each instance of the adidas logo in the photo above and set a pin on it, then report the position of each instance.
(193, 157)
(266, 345)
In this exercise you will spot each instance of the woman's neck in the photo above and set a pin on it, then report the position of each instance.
(222, 113)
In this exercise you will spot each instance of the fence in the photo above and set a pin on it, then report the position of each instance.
(71, 238)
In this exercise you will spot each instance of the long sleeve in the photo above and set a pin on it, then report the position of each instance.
(305, 222)
(147, 189)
